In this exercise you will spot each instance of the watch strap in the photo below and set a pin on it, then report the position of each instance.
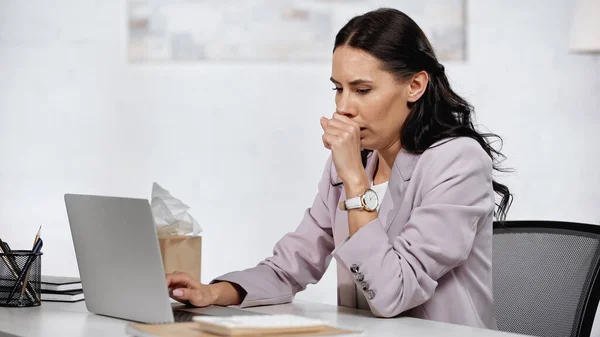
(351, 203)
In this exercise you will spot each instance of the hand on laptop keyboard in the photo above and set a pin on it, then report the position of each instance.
(184, 289)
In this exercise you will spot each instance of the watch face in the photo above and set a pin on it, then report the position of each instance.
(370, 200)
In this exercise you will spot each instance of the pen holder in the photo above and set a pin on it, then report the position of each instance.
(25, 293)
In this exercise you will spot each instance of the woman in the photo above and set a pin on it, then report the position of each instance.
(406, 202)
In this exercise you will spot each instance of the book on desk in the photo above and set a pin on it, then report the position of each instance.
(60, 283)
(62, 296)
(61, 289)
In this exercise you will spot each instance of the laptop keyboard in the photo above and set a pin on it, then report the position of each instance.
(186, 316)
(183, 316)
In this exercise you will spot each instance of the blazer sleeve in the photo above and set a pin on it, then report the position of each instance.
(299, 258)
(402, 271)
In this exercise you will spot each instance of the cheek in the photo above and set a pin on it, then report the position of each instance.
(385, 117)
(395, 112)
(373, 109)
(382, 114)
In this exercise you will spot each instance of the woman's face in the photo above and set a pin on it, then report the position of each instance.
(371, 96)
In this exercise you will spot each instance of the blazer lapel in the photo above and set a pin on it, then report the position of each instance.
(371, 166)
(387, 207)
(404, 165)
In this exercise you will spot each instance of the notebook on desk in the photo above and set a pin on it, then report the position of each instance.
(60, 283)
(62, 296)
(196, 329)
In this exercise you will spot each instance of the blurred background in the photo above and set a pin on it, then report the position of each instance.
(219, 102)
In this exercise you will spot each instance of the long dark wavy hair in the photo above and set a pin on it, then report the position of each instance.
(399, 43)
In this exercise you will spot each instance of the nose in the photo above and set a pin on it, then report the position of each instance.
(344, 106)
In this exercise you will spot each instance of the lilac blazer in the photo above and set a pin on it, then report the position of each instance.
(427, 255)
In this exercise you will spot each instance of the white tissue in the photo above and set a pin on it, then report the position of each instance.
(170, 214)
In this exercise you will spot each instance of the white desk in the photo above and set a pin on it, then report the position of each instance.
(73, 320)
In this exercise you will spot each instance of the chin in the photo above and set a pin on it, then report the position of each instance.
(367, 146)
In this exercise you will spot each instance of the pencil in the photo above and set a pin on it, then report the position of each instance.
(37, 236)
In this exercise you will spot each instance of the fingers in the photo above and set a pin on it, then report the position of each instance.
(324, 122)
(342, 118)
(326, 142)
(339, 126)
(330, 131)
(341, 122)
(179, 280)
(186, 295)
(330, 140)
(339, 117)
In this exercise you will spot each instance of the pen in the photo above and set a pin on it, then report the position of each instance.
(36, 250)
(10, 264)
(11, 258)
(13, 267)
(26, 281)
(6, 249)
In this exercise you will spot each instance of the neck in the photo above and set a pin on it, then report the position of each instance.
(387, 156)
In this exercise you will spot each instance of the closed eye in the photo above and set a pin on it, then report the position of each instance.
(359, 91)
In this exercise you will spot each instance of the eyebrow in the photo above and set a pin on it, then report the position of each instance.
(354, 82)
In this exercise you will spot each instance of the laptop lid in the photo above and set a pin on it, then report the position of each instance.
(119, 259)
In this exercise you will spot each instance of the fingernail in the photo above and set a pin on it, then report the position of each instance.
(177, 292)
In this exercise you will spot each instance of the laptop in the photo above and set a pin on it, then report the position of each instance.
(120, 263)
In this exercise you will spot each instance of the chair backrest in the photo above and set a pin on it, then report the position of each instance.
(546, 277)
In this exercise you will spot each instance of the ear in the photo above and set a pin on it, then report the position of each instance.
(417, 85)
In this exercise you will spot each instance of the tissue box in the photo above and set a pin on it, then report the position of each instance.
(181, 253)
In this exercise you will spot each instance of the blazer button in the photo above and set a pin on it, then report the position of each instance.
(364, 285)
(354, 268)
(370, 294)
(360, 277)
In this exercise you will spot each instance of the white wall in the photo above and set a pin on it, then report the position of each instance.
(240, 143)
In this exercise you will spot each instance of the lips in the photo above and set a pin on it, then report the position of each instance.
(362, 131)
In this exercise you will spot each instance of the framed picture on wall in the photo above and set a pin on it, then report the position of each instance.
(272, 30)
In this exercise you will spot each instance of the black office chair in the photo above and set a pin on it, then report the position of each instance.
(546, 277)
